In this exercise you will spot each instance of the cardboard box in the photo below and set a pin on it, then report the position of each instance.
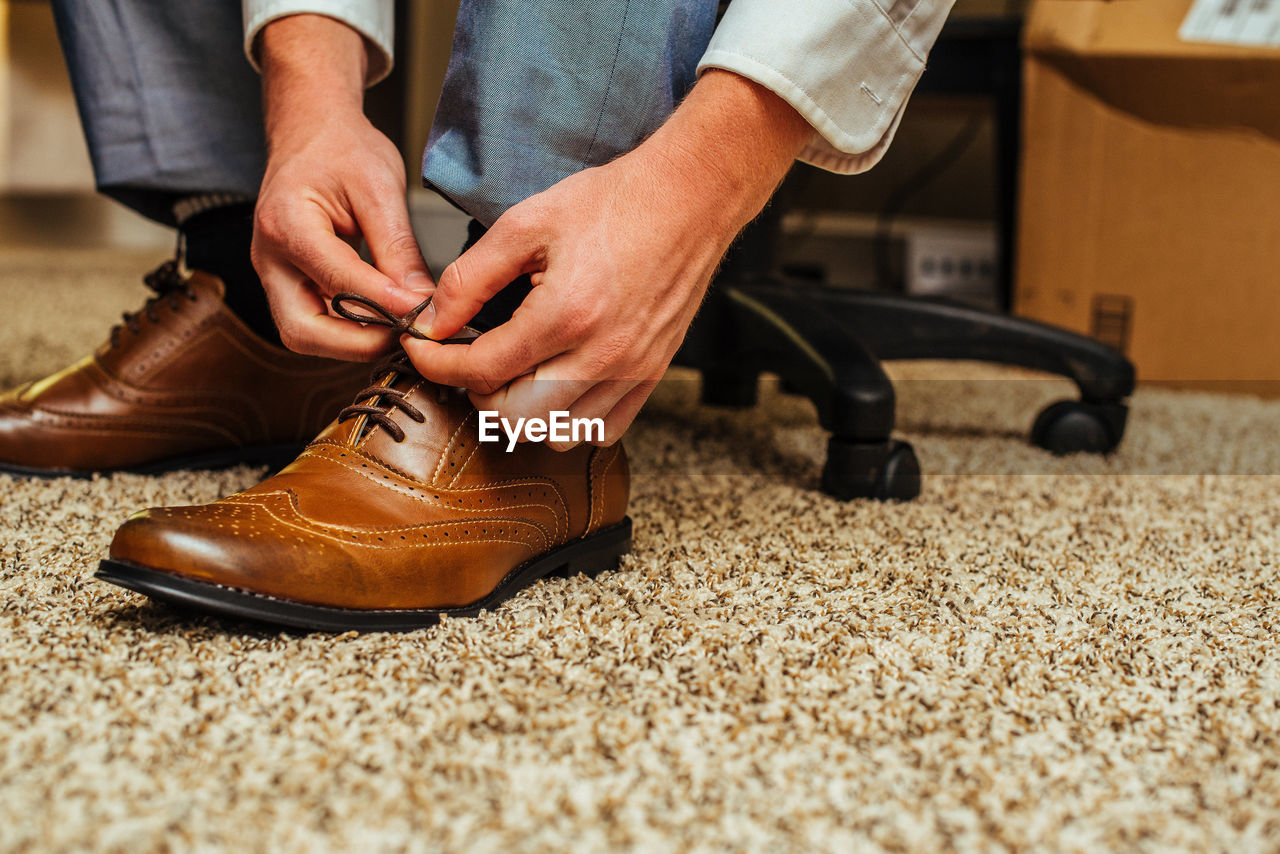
(1150, 195)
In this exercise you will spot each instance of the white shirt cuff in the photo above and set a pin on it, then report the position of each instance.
(847, 66)
(373, 19)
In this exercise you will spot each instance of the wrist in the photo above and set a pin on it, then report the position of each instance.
(313, 66)
(730, 143)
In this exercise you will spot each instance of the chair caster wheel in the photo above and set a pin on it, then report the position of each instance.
(1076, 426)
(885, 471)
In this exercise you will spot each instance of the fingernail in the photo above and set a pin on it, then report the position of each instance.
(419, 283)
(425, 320)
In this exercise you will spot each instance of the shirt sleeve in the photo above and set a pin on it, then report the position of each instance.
(847, 66)
(373, 19)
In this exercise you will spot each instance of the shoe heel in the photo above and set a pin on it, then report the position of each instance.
(598, 553)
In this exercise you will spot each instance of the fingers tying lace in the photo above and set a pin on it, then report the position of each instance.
(379, 401)
(398, 324)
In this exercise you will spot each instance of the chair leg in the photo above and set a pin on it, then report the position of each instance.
(896, 327)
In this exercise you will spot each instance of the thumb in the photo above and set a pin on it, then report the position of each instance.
(505, 252)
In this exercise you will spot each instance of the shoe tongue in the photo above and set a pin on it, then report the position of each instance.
(445, 413)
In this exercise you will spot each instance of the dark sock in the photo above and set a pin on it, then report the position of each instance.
(503, 304)
(217, 242)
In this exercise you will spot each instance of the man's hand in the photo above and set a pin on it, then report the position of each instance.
(619, 255)
(331, 179)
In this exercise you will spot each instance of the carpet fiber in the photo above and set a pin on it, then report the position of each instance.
(1067, 654)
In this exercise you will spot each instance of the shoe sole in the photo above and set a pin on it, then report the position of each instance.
(275, 456)
(588, 556)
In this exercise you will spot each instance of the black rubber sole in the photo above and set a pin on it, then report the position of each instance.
(588, 556)
(275, 456)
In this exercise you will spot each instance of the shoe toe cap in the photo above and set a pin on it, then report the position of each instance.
(224, 544)
(170, 539)
(15, 427)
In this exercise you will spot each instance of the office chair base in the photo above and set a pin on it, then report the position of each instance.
(826, 344)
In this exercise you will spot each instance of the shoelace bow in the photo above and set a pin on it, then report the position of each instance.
(169, 285)
(383, 399)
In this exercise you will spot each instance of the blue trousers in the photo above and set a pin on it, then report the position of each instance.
(535, 91)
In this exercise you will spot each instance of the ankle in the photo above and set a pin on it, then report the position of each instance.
(217, 231)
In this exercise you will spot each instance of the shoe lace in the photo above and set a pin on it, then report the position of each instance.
(169, 285)
(379, 401)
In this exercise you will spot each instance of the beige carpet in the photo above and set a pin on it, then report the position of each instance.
(1036, 654)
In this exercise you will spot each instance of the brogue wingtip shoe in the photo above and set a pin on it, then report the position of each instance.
(396, 515)
(179, 384)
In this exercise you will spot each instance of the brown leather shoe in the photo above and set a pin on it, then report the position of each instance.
(395, 515)
(183, 383)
